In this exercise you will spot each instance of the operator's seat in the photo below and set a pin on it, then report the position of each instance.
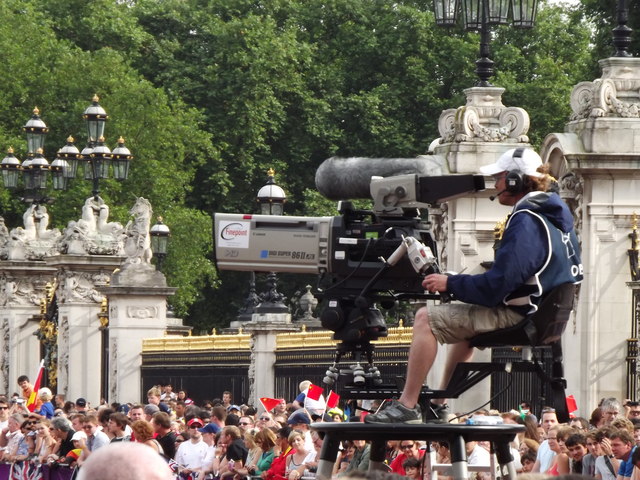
(541, 328)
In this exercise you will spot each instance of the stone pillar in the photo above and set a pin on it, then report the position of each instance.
(264, 329)
(596, 160)
(79, 338)
(22, 287)
(137, 310)
(473, 135)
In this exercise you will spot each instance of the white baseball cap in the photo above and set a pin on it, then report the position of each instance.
(528, 163)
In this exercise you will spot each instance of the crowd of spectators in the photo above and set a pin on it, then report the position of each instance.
(223, 440)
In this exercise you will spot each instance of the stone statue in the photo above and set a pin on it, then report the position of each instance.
(93, 234)
(35, 241)
(4, 239)
(137, 244)
(137, 269)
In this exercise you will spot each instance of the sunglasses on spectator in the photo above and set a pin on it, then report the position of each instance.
(406, 447)
(265, 419)
(32, 422)
(4, 408)
(244, 423)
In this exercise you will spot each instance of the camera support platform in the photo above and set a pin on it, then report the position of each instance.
(456, 434)
(542, 329)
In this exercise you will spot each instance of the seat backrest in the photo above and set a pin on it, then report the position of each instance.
(543, 327)
(553, 314)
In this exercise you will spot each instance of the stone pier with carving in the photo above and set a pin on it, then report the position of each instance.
(597, 161)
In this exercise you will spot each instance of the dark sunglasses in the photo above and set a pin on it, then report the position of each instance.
(406, 447)
(32, 422)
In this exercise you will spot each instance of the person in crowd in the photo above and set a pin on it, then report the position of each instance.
(27, 390)
(622, 447)
(632, 409)
(360, 460)
(560, 463)
(345, 454)
(136, 412)
(236, 450)
(4, 416)
(27, 444)
(191, 454)
(527, 460)
(161, 424)
(246, 423)
(579, 424)
(180, 409)
(81, 405)
(11, 436)
(408, 449)
(546, 455)
(117, 427)
(125, 461)
(143, 433)
(279, 464)
(183, 397)
(44, 440)
(168, 394)
(253, 455)
(610, 410)
(62, 432)
(96, 438)
(593, 450)
(300, 420)
(265, 420)
(478, 455)
(539, 234)
(297, 462)
(606, 466)
(412, 468)
(77, 421)
(227, 399)
(46, 409)
(596, 420)
(153, 398)
(576, 444)
(265, 439)
(73, 457)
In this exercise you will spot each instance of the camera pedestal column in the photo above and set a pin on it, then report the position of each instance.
(264, 328)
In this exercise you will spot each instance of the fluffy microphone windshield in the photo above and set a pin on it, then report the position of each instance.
(348, 178)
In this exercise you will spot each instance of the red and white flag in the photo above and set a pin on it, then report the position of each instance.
(33, 398)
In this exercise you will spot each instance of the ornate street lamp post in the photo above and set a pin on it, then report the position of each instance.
(480, 15)
(160, 235)
(622, 33)
(271, 199)
(96, 156)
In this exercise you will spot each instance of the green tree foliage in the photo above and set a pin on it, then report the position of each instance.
(166, 136)
(602, 14)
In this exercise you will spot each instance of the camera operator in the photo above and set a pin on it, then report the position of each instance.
(538, 251)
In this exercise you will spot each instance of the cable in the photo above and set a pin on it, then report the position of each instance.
(488, 401)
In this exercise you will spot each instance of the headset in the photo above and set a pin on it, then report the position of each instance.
(515, 181)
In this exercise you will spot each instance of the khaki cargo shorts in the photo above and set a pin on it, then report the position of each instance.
(457, 322)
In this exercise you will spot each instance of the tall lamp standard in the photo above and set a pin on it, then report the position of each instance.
(160, 235)
(35, 169)
(271, 199)
(622, 33)
(480, 15)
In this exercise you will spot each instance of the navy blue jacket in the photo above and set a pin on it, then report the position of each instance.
(538, 251)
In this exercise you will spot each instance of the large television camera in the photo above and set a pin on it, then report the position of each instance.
(358, 255)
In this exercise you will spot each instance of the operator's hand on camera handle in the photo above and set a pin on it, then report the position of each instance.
(437, 283)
